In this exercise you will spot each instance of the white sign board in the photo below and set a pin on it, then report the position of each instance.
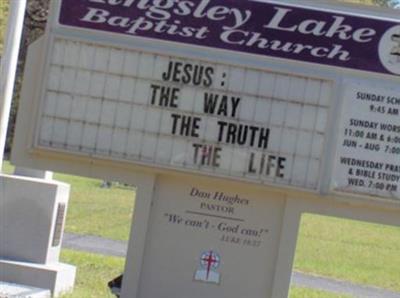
(184, 114)
(368, 158)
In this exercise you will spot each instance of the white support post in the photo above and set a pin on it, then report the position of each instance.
(137, 239)
(8, 67)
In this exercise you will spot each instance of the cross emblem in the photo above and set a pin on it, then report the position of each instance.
(210, 260)
(207, 272)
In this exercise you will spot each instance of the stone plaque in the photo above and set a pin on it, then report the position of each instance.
(59, 224)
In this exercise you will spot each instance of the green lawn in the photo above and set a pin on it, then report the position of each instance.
(7, 167)
(93, 273)
(355, 251)
(297, 292)
(97, 211)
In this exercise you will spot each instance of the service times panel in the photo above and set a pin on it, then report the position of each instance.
(368, 154)
(176, 113)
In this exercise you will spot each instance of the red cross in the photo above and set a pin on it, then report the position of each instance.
(210, 260)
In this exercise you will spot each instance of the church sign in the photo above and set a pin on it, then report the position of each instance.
(233, 118)
(225, 118)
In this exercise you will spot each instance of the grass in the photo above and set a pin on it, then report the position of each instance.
(93, 273)
(97, 211)
(298, 292)
(359, 252)
(7, 167)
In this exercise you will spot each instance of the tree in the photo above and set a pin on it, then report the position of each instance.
(382, 3)
(34, 24)
(388, 3)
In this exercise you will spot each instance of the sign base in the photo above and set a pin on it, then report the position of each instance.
(8, 290)
(58, 277)
(32, 223)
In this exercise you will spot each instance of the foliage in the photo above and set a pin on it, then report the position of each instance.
(4, 10)
(382, 3)
(387, 3)
(34, 23)
(4, 7)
